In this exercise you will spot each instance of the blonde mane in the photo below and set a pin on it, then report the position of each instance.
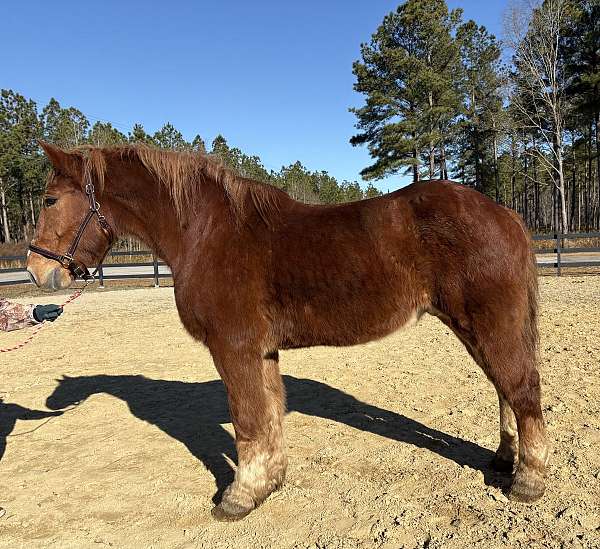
(182, 174)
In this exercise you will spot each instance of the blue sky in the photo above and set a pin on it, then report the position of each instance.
(274, 77)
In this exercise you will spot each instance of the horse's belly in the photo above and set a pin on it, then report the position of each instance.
(344, 326)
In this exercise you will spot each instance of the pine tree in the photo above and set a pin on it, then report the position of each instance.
(66, 128)
(580, 50)
(371, 191)
(198, 144)
(168, 137)
(351, 191)
(407, 73)
(220, 147)
(296, 180)
(139, 135)
(104, 134)
(481, 86)
(327, 188)
(20, 166)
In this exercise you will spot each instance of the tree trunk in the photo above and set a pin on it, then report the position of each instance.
(416, 165)
(536, 188)
(24, 216)
(573, 186)
(526, 186)
(561, 190)
(3, 207)
(431, 143)
(443, 168)
(513, 174)
(597, 122)
(477, 165)
(588, 181)
(496, 170)
(579, 211)
(431, 160)
(476, 151)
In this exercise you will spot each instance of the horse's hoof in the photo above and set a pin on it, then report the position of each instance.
(232, 508)
(502, 465)
(229, 513)
(526, 487)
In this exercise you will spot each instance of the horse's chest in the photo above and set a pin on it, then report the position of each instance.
(192, 311)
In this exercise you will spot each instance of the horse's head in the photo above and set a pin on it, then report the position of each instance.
(56, 256)
(73, 390)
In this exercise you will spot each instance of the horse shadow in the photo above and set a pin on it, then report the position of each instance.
(193, 413)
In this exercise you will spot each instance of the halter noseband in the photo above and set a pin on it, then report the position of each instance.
(67, 261)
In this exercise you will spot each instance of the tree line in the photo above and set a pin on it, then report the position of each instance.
(440, 102)
(24, 168)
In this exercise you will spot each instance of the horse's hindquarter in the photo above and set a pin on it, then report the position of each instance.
(344, 275)
(477, 252)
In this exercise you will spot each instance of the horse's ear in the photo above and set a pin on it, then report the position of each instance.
(63, 162)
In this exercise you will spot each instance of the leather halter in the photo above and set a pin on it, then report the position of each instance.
(67, 261)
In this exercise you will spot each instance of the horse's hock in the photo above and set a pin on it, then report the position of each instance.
(389, 443)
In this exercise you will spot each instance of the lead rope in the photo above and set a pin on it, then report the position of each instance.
(37, 329)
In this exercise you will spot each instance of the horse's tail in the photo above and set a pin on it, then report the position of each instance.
(531, 334)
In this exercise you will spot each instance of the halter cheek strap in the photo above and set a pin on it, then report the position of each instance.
(67, 260)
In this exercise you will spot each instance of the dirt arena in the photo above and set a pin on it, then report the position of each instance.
(388, 443)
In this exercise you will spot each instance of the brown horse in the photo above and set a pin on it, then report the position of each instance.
(255, 272)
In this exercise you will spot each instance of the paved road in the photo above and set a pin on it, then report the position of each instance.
(565, 259)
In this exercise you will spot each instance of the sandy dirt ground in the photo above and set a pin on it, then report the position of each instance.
(388, 443)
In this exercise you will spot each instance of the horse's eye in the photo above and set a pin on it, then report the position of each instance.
(50, 201)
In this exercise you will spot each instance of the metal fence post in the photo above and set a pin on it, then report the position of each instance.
(101, 275)
(558, 239)
(155, 264)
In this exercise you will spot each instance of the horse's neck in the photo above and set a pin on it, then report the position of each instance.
(146, 211)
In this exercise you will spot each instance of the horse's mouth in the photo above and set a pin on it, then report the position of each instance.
(58, 278)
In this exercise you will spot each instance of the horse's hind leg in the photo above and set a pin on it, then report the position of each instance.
(522, 392)
(511, 366)
(256, 403)
(498, 345)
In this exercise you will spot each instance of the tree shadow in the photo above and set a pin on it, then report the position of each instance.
(192, 413)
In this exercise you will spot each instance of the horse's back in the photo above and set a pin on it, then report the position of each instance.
(359, 271)
(345, 274)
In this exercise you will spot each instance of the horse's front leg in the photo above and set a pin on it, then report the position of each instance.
(256, 404)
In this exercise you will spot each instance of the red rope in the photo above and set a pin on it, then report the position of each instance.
(37, 329)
